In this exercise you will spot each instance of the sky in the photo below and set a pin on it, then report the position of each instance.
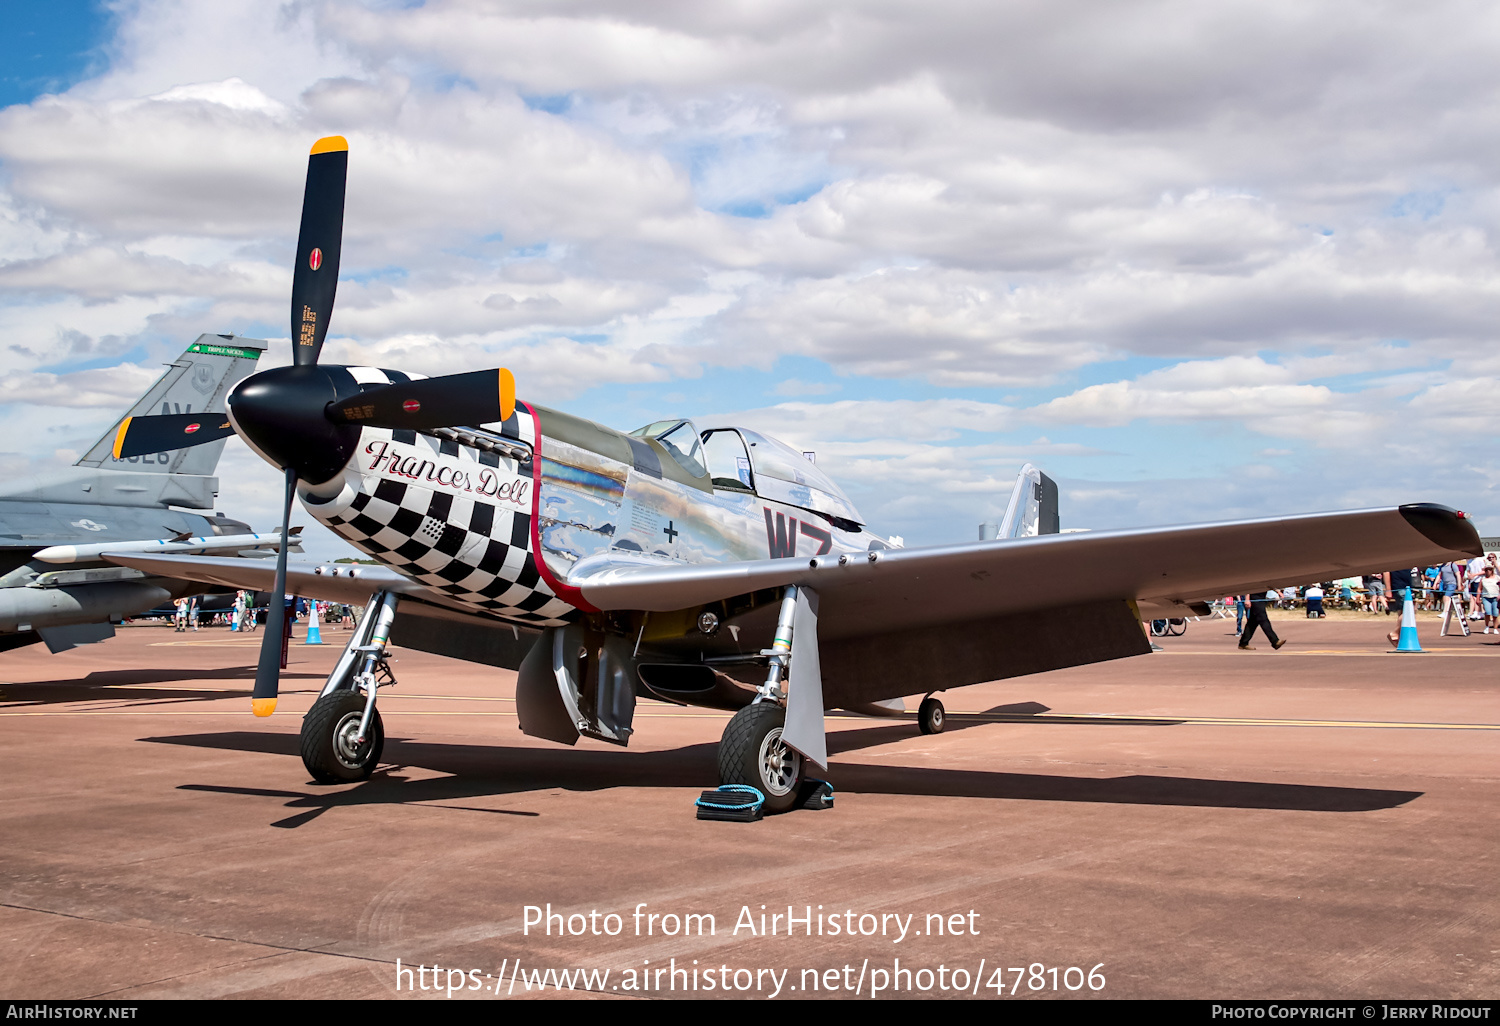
(1195, 261)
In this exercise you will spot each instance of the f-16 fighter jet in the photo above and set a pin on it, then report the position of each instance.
(54, 586)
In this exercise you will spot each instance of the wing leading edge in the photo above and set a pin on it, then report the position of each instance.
(256, 575)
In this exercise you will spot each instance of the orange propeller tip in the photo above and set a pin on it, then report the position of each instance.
(330, 144)
(120, 435)
(263, 706)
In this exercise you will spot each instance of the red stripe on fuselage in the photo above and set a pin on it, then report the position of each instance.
(572, 596)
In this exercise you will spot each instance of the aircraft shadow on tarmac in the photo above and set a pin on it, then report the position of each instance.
(1016, 712)
(489, 770)
(109, 684)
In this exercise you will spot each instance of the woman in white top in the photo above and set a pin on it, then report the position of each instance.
(1489, 598)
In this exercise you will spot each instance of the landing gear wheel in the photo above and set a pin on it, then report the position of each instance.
(931, 717)
(328, 731)
(751, 752)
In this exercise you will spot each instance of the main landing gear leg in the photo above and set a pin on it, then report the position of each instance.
(342, 735)
(751, 751)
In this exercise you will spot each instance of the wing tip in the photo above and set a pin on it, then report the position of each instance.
(1444, 526)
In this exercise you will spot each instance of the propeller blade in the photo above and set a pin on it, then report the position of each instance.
(453, 400)
(268, 672)
(140, 436)
(319, 242)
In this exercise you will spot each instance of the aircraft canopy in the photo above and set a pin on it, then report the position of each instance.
(784, 474)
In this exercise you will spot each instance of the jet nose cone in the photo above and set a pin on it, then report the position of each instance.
(280, 412)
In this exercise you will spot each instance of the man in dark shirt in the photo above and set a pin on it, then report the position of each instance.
(1398, 587)
(1257, 617)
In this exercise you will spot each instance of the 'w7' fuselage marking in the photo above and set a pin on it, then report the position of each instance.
(781, 535)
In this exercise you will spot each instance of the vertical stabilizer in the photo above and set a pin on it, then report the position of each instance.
(1033, 506)
(197, 381)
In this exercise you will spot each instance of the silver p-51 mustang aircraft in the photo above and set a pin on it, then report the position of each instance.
(712, 567)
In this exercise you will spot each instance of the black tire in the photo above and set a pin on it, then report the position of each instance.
(931, 716)
(1177, 626)
(327, 730)
(751, 751)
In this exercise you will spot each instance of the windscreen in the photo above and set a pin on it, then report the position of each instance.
(680, 439)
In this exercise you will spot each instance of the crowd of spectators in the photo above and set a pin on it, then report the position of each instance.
(1473, 585)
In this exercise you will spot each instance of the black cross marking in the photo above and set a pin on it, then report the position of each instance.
(670, 532)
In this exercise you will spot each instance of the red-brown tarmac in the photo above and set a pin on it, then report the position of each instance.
(1319, 822)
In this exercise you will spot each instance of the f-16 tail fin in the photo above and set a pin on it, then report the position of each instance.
(1033, 506)
(196, 382)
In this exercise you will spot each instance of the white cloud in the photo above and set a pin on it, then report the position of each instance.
(1291, 207)
(909, 421)
(114, 388)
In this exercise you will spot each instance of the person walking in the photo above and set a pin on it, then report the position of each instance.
(1489, 597)
(1258, 617)
(1397, 587)
(1448, 575)
(1473, 575)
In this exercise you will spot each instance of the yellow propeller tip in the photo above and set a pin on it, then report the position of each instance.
(330, 144)
(263, 706)
(507, 394)
(120, 435)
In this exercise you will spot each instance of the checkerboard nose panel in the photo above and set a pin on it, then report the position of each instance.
(431, 530)
(472, 548)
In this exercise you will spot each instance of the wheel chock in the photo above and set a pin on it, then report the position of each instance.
(815, 794)
(733, 803)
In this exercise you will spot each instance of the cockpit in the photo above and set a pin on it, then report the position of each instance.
(741, 460)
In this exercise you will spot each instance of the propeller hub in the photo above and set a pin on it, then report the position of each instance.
(281, 414)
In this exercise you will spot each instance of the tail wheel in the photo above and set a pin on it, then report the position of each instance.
(752, 752)
(931, 716)
(329, 749)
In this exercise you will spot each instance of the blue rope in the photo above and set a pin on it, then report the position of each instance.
(823, 783)
(760, 799)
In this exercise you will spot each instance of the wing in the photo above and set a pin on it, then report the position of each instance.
(1160, 568)
(427, 620)
(901, 622)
